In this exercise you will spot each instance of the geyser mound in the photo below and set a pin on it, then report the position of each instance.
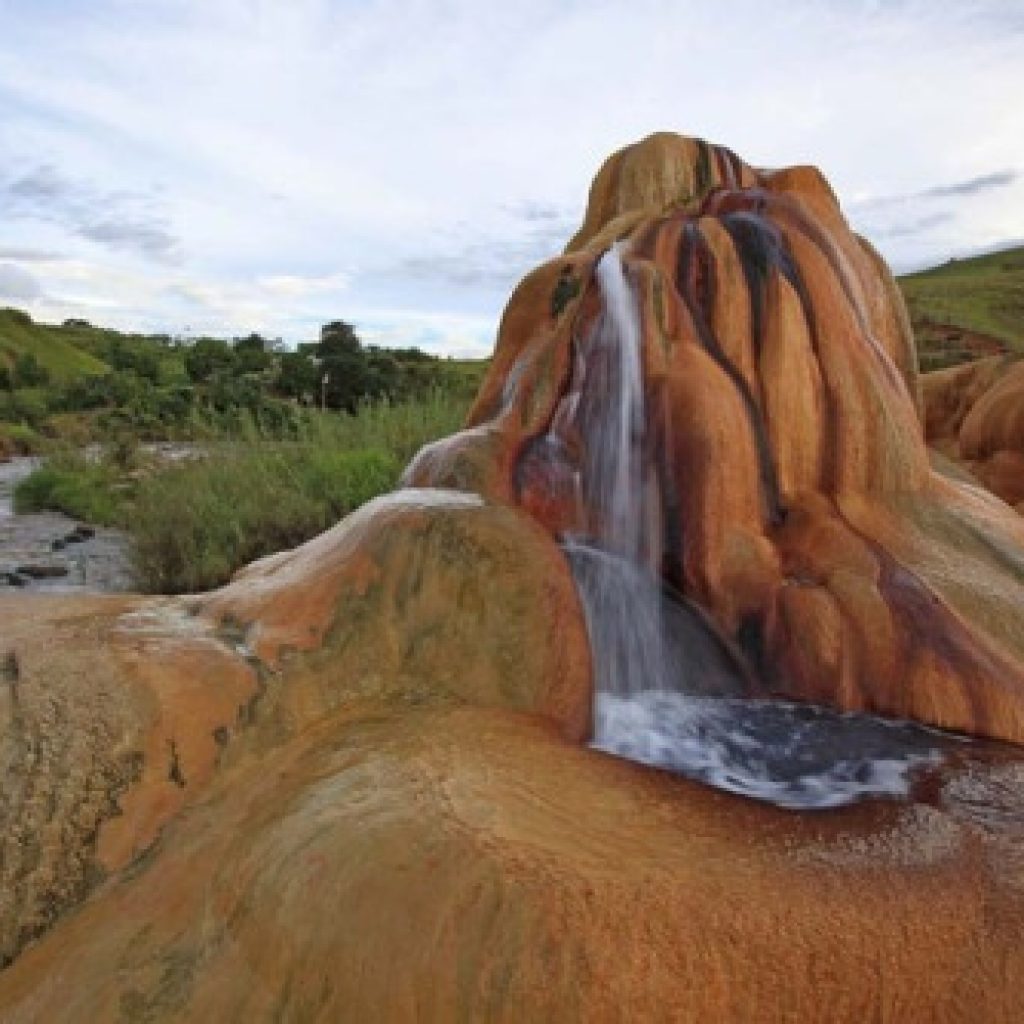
(780, 479)
(354, 784)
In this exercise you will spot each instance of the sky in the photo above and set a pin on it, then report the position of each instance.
(224, 166)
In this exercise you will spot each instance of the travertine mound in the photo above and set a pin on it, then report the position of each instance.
(317, 826)
(798, 503)
(975, 414)
(116, 712)
(351, 784)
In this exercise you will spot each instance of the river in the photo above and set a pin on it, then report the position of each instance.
(50, 551)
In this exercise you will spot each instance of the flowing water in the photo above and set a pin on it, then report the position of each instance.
(666, 685)
(50, 543)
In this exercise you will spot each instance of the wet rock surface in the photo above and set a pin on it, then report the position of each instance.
(790, 485)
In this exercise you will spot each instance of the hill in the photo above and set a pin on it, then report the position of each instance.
(966, 308)
(77, 382)
(58, 350)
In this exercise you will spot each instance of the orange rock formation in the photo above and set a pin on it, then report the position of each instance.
(975, 414)
(798, 501)
(350, 785)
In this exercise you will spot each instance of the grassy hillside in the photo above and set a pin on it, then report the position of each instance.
(966, 308)
(77, 383)
(58, 350)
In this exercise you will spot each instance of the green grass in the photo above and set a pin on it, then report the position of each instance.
(74, 485)
(18, 439)
(982, 295)
(194, 523)
(55, 348)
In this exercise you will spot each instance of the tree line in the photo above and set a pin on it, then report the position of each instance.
(156, 384)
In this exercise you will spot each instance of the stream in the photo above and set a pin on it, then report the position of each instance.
(52, 552)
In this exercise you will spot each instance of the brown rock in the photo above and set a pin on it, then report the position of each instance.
(350, 785)
(122, 710)
(975, 415)
(462, 863)
(784, 406)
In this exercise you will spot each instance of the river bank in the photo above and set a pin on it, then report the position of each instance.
(51, 551)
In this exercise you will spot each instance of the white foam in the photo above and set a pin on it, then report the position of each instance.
(791, 755)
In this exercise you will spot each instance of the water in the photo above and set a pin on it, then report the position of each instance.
(793, 755)
(614, 478)
(666, 684)
(11, 472)
(99, 563)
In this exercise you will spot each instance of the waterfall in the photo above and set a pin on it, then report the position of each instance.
(615, 471)
(665, 684)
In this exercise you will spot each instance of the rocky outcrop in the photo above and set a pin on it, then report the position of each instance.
(798, 503)
(116, 713)
(351, 785)
(975, 415)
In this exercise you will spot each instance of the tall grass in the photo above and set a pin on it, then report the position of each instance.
(79, 487)
(195, 522)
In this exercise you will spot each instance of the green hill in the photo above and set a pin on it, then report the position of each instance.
(967, 308)
(57, 349)
(75, 382)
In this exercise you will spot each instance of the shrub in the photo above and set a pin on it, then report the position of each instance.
(28, 372)
(19, 439)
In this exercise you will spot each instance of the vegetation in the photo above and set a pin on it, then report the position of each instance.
(17, 439)
(77, 382)
(80, 487)
(288, 442)
(967, 308)
(195, 522)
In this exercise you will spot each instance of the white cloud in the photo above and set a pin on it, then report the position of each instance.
(17, 284)
(291, 286)
(304, 160)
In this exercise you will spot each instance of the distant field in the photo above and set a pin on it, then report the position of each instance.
(966, 308)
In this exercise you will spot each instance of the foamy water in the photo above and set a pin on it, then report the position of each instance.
(792, 755)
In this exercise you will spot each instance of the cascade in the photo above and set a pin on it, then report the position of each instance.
(665, 685)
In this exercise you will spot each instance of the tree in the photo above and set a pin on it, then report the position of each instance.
(136, 356)
(207, 357)
(343, 362)
(298, 375)
(252, 354)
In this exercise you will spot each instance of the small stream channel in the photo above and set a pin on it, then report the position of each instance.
(50, 551)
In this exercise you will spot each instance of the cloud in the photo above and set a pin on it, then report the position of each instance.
(27, 254)
(431, 154)
(444, 333)
(18, 284)
(536, 212)
(146, 239)
(972, 186)
(116, 219)
(908, 229)
(495, 255)
(968, 187)
(292, 286)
